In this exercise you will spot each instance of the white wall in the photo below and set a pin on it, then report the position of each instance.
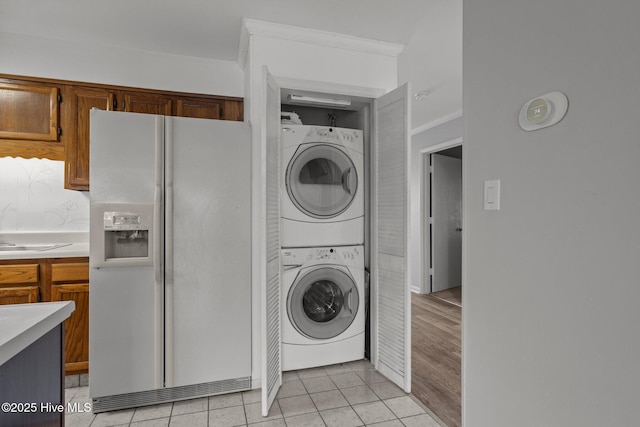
(79, 61)
(551, 281)
(433, 61)
(421, 142)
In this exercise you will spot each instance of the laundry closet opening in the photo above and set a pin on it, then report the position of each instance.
(325, 187)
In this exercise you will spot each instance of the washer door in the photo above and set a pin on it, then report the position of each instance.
(321, 181)
(323, 303)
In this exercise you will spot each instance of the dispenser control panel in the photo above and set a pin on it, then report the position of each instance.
(123, 221)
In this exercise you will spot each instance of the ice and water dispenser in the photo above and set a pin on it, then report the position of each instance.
(123, 235)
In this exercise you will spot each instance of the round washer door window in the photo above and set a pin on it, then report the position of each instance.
(321, 181)
(323, 303)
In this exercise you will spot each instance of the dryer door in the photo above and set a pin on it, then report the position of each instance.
(321, 180)
(323, 303)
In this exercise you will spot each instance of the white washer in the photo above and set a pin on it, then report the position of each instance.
(323, 304)
(323, 186)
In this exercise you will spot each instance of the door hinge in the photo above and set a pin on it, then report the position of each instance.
(430, 169)
(59, 131)
(431, 272)
(430, 220)
(59, 98)
(115, 104)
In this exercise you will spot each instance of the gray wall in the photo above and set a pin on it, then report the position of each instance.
(551, 281)
(444, 132)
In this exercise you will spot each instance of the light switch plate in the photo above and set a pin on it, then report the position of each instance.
(492, 195)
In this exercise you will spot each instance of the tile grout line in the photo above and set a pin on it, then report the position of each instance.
(324, 373)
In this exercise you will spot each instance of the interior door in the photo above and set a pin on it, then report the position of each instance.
(271, 332)
(390, 284)
(446, 238)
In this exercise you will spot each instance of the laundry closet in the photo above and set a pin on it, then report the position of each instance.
(324, 291)
(359, 154)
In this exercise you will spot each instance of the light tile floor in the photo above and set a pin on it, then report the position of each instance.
(344, 395)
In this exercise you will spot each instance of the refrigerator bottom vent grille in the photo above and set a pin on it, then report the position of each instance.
(164, 395)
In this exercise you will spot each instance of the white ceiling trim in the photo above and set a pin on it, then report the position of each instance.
(254, 27)
(436, 122)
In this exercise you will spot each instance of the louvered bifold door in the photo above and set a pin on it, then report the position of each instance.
(391, 298)
(271, 341)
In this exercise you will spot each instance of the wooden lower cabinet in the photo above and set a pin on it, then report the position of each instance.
(19, 283)
(70, 282)
(18, 295)
(54, 279)
(76, 339)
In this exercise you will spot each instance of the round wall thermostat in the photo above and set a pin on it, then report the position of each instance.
(543, 111)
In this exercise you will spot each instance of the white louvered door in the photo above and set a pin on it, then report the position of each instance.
(271, 340)
(390, 285)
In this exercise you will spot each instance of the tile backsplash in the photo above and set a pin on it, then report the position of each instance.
(33, 197)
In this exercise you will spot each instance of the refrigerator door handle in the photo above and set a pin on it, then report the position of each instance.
(157, 254)
(168, 248)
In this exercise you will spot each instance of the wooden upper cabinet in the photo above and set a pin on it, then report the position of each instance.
(30, 120)
(233, 110)
(29, 111)
(77, 110)
(147, 103)
(200, 108)
(208, 108)
(49, 119)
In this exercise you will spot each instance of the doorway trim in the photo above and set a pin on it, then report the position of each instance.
(425, 240)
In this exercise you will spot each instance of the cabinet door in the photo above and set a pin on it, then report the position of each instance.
(82, 100)
(29, 111)
(18, 295)
(19, 283)
(77, 325)
(18, 274)
(147, 103)
(199, 108)
(233, 110)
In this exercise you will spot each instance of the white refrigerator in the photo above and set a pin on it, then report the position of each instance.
(170, 257)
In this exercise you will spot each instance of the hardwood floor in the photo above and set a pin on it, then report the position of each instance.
(436, 362)
(453, 295)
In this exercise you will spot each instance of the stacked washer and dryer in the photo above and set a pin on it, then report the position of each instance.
(322, 238)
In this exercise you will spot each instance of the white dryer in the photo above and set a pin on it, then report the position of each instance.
(323, 186)
(323, 304)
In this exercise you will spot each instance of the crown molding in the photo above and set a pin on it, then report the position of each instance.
(243, 48)
(254, 27)
(437, 122)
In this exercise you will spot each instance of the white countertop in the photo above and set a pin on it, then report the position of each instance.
(22, 324)
(76, 244)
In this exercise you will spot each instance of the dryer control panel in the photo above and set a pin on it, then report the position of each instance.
(339, 255)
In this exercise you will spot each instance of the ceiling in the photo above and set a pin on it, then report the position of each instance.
(205, 29)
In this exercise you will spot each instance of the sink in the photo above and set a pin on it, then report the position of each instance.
(7, 247)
